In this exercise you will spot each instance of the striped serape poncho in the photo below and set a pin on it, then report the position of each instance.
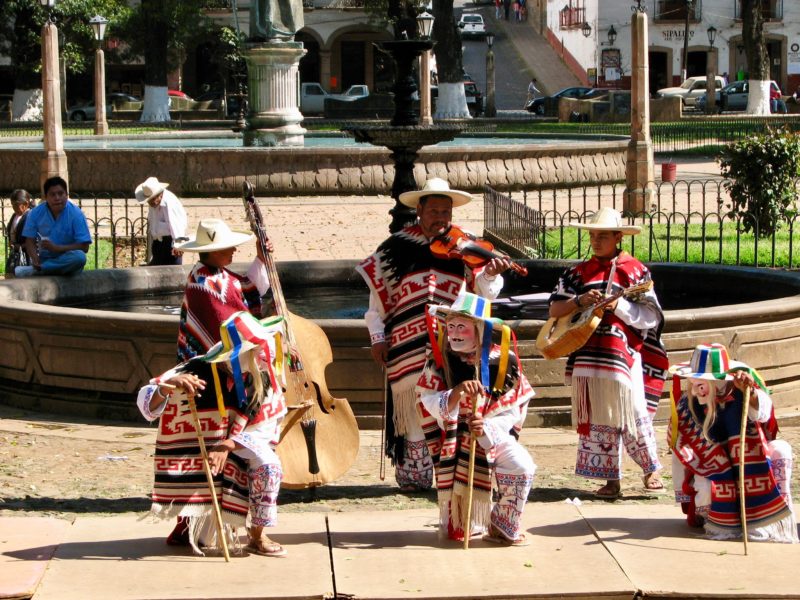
(405, 276)
(609, 354)
(717, 459)
(212, 295)
(449, 443)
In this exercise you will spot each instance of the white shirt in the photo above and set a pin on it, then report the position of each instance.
(168, 218)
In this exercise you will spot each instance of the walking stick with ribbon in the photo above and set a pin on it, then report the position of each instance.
(382, 468)
(209, 476)
(471, 474)
(742, 431)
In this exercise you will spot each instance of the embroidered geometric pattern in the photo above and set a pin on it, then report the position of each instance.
(416, 467)
(507, 512)
(265, 482)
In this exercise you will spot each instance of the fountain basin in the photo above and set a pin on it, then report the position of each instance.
(90, 363)
(204, 168)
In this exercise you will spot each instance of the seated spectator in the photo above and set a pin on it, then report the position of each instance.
(56, 235)
(776, 103)
(21, 203)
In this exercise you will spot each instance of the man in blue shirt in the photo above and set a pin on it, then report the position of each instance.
(56, 235)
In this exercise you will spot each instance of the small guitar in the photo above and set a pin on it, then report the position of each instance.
(564, 335)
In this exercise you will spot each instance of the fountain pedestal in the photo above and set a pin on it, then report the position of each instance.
(403, 136)
(274, 94)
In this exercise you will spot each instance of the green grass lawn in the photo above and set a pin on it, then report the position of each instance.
(100, 253)
(692, 244)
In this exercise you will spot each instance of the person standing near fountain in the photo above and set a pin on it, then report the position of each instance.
(618, 374)
(166, 221)
(705, 433)
(471, 387)
(21, 203)
(213, 292)
(56, 235)
(403, 277)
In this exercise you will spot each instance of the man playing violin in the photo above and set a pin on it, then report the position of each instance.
(618, 374)
(404, 276)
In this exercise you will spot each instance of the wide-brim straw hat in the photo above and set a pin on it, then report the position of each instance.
(435, 187)
(240, 333)
(150, 188)
(214, 234)
(709, 361)
(607, 219)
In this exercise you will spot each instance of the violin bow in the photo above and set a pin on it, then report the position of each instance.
(742, 450)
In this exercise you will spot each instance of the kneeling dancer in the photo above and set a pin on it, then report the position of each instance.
(705, 438)
(240, 415)
(466, 368)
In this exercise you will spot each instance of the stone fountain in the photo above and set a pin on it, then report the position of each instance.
(404, 136)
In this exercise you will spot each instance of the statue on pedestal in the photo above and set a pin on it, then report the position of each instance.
(275, 20)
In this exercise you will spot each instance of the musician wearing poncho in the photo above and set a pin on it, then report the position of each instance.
(464, 365)
(213, 292)
(238, 393)
(403, 277)
(618, 374)
(705, 437)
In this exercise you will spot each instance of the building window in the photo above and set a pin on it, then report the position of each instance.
(771, 9)
(573, 15)
(675, 10)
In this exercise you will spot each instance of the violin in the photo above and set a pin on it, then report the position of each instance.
(475, 252)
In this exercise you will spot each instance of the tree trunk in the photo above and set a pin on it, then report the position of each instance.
(156, 101)
(451, 102)
(755, 48)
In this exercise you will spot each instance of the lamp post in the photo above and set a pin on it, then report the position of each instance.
(711, 84)
(491, 109)
(55, 159)
(684, 67)
(425, 26)
(99, 24)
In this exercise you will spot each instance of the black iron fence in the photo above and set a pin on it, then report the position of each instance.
(684, 221)
(118, 227)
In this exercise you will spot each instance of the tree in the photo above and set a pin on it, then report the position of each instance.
(20, 39)
(755, 48)
(451, 101)
(160, 31)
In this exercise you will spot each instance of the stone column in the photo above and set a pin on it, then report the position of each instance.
(711, 85)
(55, 159)
(325, 68)
(274, 94)
(425, 117)
(100, 121)
(639, 168)
(490, 109)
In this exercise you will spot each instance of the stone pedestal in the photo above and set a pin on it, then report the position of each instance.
(425, 117)
(55, 159)
(274, 94)
(639, 178)
(100, 123)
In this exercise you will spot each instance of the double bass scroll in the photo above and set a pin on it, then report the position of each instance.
(326, 442)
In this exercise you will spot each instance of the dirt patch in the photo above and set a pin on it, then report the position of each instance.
(52, 469)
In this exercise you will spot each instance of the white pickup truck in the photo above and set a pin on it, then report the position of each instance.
(312, 96)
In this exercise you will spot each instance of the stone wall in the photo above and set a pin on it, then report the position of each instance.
(324, 170)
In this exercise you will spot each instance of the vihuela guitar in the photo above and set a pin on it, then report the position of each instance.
(564, 335)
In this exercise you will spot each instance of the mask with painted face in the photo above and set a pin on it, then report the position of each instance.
(462, 334)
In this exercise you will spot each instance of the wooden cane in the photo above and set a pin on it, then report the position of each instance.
(209, 477)
(382, 467)
(742, 431)
(471, 476)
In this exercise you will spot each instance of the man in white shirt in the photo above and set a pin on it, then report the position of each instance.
(166, 220)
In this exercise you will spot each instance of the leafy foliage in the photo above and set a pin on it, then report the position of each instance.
(21, 22)
(761, 173)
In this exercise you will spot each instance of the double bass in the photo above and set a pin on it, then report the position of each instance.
(319, 439)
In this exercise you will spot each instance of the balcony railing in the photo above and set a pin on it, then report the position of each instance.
(218, 4)
(675, 10)
(571, 17)
(771, 9)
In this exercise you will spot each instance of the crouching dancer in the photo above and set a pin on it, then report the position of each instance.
(705, 438)
(240, 406)
(465, 366)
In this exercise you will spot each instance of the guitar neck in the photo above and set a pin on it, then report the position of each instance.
(629, 290)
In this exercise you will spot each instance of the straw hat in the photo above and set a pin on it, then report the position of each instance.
(435, 187)
(468, 305)
(607, 219)
(214, 234)
(151, 187)
(709, 361)
(240, 333)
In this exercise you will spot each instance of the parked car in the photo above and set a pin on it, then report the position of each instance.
(313, 96)
(472, 25)
(216, 97)
(690, 90)
(537, 105)
(86, 111)
(733, 96)
(177, 93)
